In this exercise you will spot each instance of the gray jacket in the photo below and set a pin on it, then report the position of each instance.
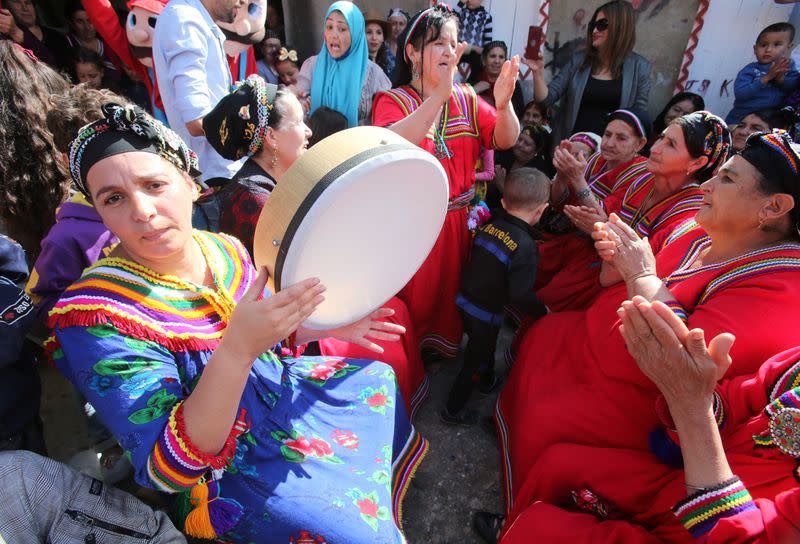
(571, 81)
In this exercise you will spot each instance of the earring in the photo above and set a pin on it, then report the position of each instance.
(414, 72)
(274, 156)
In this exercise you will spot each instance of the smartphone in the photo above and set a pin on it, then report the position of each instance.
(535, 40)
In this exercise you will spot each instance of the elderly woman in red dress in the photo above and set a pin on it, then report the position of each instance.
(738, 480)
(576, 382)
(451, 122)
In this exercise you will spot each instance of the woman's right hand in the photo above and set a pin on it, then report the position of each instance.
(675, 358)
(447, 75)
(536, 65)
(256, 324)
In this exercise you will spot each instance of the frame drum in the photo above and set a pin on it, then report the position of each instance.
(360, 210)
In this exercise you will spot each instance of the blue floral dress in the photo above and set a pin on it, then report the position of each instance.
(322, 450)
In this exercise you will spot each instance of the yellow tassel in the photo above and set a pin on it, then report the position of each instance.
(198, 522)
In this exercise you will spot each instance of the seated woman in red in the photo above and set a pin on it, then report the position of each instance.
(654, 202)
(738, 443)
(580, 188)
(273, 135)
(575, 382)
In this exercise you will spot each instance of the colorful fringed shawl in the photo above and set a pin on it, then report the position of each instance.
(167, 310)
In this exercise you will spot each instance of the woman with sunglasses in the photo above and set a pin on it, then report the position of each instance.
(606, 77)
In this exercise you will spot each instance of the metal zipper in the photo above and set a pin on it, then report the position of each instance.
(89, 521)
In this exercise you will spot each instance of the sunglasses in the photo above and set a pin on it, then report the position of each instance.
(600, 24)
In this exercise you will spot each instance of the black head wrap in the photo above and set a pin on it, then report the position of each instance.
(124, 129)
(777, 158)
(237, 125)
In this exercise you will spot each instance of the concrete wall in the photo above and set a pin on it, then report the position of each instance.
(662, 32)
(304, 19)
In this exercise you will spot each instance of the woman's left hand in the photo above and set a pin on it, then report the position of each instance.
(506, 82)
(371, 326)
(584, 217)
(673, 357)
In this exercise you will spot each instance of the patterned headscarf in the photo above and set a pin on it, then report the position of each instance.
(777, 158)
(124, 129)
(716, 140)
(238, 124)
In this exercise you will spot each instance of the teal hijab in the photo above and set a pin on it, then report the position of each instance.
(337, 83)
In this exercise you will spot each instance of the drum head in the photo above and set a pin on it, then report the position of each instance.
(364, 228)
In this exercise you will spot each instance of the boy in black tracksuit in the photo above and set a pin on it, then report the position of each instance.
(501, 271)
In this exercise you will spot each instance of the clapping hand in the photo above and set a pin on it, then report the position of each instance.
(570, 167)
(584, 217)
(675, 358)
(619, 244)
(506, 82)
(447, 74)
(777, 70)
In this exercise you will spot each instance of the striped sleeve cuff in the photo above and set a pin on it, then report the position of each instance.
(700, 512)
(677, 309)
(176, 464)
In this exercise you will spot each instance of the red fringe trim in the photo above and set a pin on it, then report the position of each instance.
(84, 318)
(223, 458)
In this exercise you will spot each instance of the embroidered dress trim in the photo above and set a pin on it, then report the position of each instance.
(700, 512)
(596, 175)
(683, 271)
(461, 121)
(461, 201)
(403, 470)
(176, 464)
(686, 200)
(440, 344)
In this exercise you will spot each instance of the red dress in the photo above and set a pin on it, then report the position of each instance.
(636, 499)
(569, 268)
(574, 381)
(430, 295)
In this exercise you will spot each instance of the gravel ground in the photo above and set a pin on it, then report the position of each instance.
(461, 472)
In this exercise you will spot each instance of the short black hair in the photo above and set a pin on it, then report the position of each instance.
(778, 27)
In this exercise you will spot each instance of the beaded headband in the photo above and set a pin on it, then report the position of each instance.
(126, 123)
(417, 18)
(265, 100)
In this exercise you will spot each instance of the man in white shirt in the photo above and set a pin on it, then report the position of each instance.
(193, 73)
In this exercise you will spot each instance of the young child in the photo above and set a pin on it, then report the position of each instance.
(501, 271)
(766, 83)
(475, 28)
(286, 66)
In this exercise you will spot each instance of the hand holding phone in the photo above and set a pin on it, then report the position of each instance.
(535, 41)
